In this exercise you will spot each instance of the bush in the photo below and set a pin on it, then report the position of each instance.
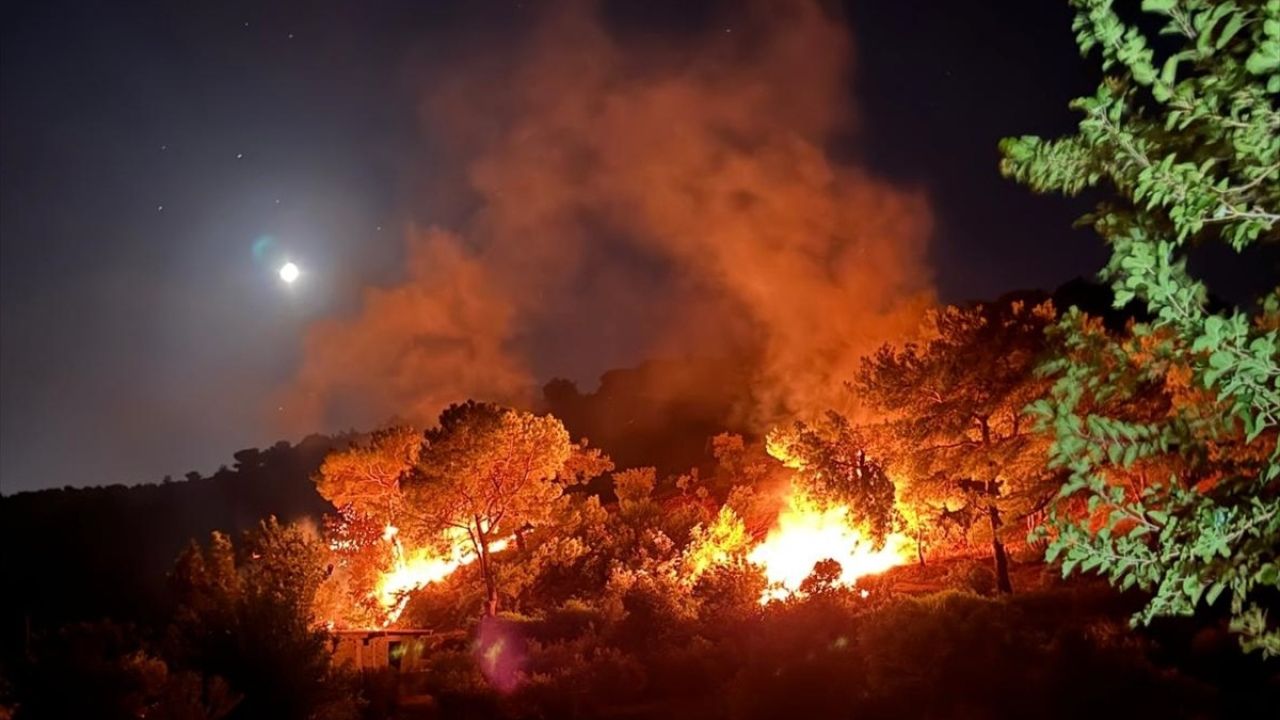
(726, 595)
(569, 620)
(454, 679)
(578, 678)
(658, 610)
(974, 576)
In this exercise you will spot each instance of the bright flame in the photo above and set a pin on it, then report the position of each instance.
(807, 533)
(419, 568)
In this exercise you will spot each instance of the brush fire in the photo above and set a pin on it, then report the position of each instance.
(420, 567)
(808, 533)
(805, 533)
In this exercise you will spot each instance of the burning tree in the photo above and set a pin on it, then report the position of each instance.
(839, 517)
(368, 561)
(366, 476)
(490, 472)
(958, 423)
(832, 464)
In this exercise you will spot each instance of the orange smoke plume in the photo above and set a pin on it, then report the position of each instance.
(653, 200)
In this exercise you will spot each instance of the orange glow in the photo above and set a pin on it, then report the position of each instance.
(416, 569)
(806, 533)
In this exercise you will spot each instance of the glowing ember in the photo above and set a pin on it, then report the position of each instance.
(419, 568)
(807, 533)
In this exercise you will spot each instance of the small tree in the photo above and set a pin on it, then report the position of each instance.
(489, 472)
(245, 614)
(1187, 141)
(956, 411)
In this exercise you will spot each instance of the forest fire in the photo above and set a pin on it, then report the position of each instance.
(807, 533)
(418, 568)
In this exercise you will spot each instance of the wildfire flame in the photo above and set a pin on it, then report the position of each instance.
(416, 569)
(807, 533)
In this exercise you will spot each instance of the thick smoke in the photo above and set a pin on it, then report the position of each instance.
(664, 201)
(413, 348)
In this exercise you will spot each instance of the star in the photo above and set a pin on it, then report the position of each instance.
(159, 208)
(239, 155)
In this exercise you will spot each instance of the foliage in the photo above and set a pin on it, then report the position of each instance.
(245, 614)
(972, 577)
(727, 594)
(956, 427)
(1188, 138)
(832, 464)
(113, 545)
(723, 541)
(946, 655)
(365, 477)
(358, 555)
(588, 550)
(489, 472)
(106, 670)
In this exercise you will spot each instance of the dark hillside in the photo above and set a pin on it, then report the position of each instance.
(85, 553)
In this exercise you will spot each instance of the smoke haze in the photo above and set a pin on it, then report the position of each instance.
(625, 201)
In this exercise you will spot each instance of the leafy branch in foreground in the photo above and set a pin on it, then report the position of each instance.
(1169, 433)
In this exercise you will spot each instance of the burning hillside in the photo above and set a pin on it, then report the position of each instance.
(806, 534)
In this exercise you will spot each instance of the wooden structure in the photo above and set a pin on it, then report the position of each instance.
(403, 650)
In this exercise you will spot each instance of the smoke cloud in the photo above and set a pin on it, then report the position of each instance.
(629, 201)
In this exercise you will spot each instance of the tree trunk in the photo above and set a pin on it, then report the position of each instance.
(920, 546)
(486, 571)
(1003, 584)
(490, 587)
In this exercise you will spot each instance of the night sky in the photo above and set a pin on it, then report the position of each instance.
(159, 161)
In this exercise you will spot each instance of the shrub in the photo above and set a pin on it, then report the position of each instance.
(974, 577)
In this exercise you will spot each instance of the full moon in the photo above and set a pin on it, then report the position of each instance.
(289, 272)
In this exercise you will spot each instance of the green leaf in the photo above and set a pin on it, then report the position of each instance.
(1214, 591)
(1234, 23)
(1264, 60)
(1130, 455)
(1169, 72)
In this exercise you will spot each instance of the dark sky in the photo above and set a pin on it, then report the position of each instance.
(159, 160)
